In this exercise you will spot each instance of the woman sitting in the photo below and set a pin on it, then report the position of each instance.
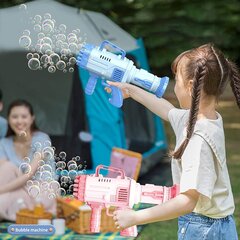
(22, 160)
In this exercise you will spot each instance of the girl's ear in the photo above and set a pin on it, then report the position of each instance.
(189, 87)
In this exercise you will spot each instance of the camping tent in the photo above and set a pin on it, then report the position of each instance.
(61, 107)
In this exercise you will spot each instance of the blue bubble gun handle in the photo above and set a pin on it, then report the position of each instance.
(117, 97)
(91, 84)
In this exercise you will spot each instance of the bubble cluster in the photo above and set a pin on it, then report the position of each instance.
(51, 165)
(55, 49)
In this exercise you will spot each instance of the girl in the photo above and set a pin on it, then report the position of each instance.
(205, 204)
(22, 136)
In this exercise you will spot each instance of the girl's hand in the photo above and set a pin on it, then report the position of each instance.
(124, 218)
(125, 87)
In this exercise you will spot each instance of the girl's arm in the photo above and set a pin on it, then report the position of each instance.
(159, 106)
(21, 180)
(182, 204)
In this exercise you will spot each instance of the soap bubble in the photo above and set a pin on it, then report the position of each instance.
(51, 69)
(72, 60)
(61, 164)
(37, 28)
(26, 160)
(34, 64)
(54, 58)
(71, 69)
(25, 168)
(34, 191)
(47, 16)
(26, 32)
(41, 35)
(25, 41)
(23, 7)
(62, 27)
(38, 18)
(29, 56)
(51, 195)
(60, 65)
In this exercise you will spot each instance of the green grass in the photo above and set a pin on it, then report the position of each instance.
(231, 117)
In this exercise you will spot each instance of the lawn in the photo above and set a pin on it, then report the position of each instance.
(231, 117)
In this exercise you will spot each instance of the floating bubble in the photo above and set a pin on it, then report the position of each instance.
(44, 186)
(25, 41)
(34, 191)
(61, 164)
(25, 168)
(37, 155)
(29, 56)
(46, 47)
(59, 171)
(47, 16)
(48, 143)
(60, 65)
(26, 32)
(23, 7)
(73, 47)
(41, 35)
(46, 176)
(61, 37)
(64, 173)
(37, 145)
(44, 58)
(85, 136)
(62, 155)
(47, 28)
(71, 162)
(51, 69)
(72, 174)
(29, 183)
(22, 134)
(48, 153)
(51, 195)
(71, 188)
(72, 60)
(37, 28)
(41, 163)
(34, 64)
(54, 185)
(38, 18)
(72, 166)
(61, 192)
(77, 158)
(54, 58)
(26, 160)
(62, 27)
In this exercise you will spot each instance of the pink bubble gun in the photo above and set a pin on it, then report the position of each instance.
(121, 192)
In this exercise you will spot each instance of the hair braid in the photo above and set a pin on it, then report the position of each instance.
(199, 76)
(234, 79)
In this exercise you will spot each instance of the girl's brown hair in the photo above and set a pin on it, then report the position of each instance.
(18, 103)
(210, 72)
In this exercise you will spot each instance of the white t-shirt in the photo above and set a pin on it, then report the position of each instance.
(203, 164)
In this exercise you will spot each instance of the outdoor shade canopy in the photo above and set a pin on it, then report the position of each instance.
(61, 107)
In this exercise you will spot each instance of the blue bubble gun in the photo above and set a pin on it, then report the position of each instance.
(117, 68)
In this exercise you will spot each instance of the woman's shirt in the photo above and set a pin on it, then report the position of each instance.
(40, 141)
(203, 164)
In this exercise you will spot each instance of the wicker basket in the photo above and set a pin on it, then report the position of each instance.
(26, 216)
(78, 216)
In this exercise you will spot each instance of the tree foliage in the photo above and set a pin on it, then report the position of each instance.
(169, 27)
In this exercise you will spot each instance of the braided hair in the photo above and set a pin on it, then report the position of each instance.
(210, 72)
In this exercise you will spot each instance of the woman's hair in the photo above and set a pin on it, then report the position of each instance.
(210, 72)
(18, 103)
